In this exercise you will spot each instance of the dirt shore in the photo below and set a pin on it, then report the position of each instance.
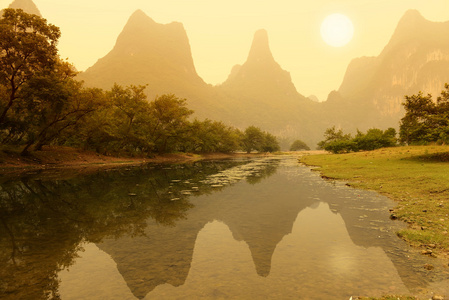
(57, 158)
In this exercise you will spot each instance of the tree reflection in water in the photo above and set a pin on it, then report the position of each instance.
(44, 220)
(147, 220)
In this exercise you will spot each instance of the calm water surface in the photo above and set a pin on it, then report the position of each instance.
(264, 228)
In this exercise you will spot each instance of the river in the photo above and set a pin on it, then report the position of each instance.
(262, 228)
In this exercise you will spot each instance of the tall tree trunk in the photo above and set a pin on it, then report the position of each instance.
(8, 106)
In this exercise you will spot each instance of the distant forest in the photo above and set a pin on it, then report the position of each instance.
(41, 104)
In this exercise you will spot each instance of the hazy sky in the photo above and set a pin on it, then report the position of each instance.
(220, 32)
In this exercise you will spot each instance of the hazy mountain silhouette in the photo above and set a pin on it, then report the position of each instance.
(27, 6)
(265, 95)
(415, 59)
(148, 53)
(261, 215)
(157, 55)
(162, 256)
(259, 92)
(261, 75)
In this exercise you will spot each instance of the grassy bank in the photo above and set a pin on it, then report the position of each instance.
(416, 177)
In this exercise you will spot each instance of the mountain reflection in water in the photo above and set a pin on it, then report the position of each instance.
(224, 229)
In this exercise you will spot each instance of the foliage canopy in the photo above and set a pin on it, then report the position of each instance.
(425, 120)
(338, 142)
(299, 145)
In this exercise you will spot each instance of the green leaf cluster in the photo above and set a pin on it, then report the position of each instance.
(425, 121)
(254, 139)
(299, 145)
(338, 142)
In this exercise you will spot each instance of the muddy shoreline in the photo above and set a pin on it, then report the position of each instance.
(69, 160)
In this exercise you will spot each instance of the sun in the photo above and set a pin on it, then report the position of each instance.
(337, 30)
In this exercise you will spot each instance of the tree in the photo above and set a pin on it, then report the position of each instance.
(299, 145)
(270, 144)
(375, 138)
(211, 136)
(443, 115)
(27, 49)
(52, 103)
(415, 126)
(170, 115)
(253, 139)
(336, 141)
(425, 120)
(132, 119)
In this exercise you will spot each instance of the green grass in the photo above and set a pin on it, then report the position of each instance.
(416, 177)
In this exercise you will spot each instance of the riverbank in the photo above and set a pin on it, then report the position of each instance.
(72, 159)
(417, 178)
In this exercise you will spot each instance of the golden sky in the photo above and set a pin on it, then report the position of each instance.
(220, 32)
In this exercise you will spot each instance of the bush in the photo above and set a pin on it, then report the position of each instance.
(338, 142)
(299, 145)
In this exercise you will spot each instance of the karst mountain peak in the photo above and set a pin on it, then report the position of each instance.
(27, 6)
(147, 52)
(260, 73)
(260, 48)
(259, 92)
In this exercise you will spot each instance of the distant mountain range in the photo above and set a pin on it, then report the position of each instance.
(415, 59)
(261, 93)
(257, 93)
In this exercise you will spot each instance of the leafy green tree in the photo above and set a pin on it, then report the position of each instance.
(443, 115)
(336, 141)
(120, 125)
(211, 136)
(270, 144)
(299, 145)
(425, 120)
(418, 126)
(96, 131)
(132, 120)
(53, 103)
(375, 139)
(170, 115)
(27, 49)
(341, 146)
(253, 139)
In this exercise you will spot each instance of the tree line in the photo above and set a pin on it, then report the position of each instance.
(41, 103)
(336, 141)
(425, 121)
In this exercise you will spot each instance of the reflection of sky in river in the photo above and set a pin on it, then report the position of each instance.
(318, 253)
(292, 235)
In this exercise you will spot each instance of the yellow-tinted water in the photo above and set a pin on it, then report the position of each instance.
(261, 229)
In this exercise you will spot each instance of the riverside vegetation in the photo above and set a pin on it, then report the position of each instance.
(417, 177)
(41, 103)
